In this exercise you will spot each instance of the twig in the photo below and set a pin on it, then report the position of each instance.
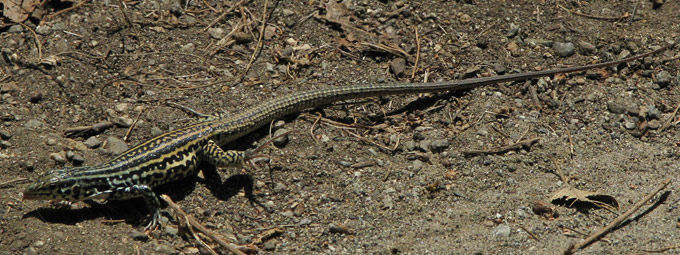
(37, 41)
(194, 223)
(515, 146)
(8, 183)
(311, 129)
(96, 128)
(625, 15)
(415, 65)
(129, 131)
(225, 13)
(669, 121)
(122, 9)
(530, 233)
(573, 248)
(559, 172)
(78, 5)
(571, 143)
(258, 46)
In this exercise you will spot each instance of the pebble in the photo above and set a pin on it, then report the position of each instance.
(653, 112)
(270, 245)
(502, 230)
(663, 78)
(115, 145)
(416, 165)
(4, 135)
(281, 137)
(155, 131)
(92, 142)
(279, 187)
(305, 221)
(33, 123)
(216, 32)
(43, 30)
(388, 203)
(616, 108)
(563, 49)
(538, 42)
(586, 49)
(339, 228)
(36, 96)
(58, 157)
(287, 213)
(139, 236)
(439, 145)
(243, 238)
(170, 230)
(188, 48)
(287, 12)
(5, 144)
(629, 124)
(165, 249)
(78, 159)
(654, 124)
(398, 66)
(425, 145)
(409, 145)
(122, 107)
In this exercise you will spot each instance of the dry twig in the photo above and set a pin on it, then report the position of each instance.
(192, 222)
(515, 146)
(575, 247)
(258, 46)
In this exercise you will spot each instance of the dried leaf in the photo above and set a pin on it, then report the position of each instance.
(18, 10)
(580, 198)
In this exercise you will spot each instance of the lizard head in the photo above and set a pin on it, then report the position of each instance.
(53, 185)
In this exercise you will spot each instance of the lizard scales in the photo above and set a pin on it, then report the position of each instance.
(175, 154)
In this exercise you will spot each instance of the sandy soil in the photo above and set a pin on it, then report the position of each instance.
(331, 192)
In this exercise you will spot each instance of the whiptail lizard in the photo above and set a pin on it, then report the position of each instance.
(175, 154)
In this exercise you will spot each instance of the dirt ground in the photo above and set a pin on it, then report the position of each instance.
(380, 176)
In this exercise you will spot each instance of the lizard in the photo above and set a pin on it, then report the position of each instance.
(175, 154)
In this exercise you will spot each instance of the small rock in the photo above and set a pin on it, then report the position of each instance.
(499, 69)
(287, 12)
(38, 243)
(398, 66)
(115, 145)
(155, 131)
(502, 231)
(36, 96)
(425, 145)
(513, 48)
(92, 142)
(122, 107)
(279, 187)
(653, 124)
(139, 236)
(281, 137)
(170, 230)
(33, 124)
(629, 124)
(164, 249)
(78, 159)
(439, 145)
(586, 49)
(653, 112)
(563, 49)
(51, 141)
(241, 37)
(339, 228)
(663, 78)
(216, 32)
(270, 245)
(5, 144)
(388, 203)
(409, 145)
(287, 213)
(616, 108)
(416, 165)
(4, 135)
(123, 121)
(43, 29)
(243, 238)
(188, 48)
(58, 157)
